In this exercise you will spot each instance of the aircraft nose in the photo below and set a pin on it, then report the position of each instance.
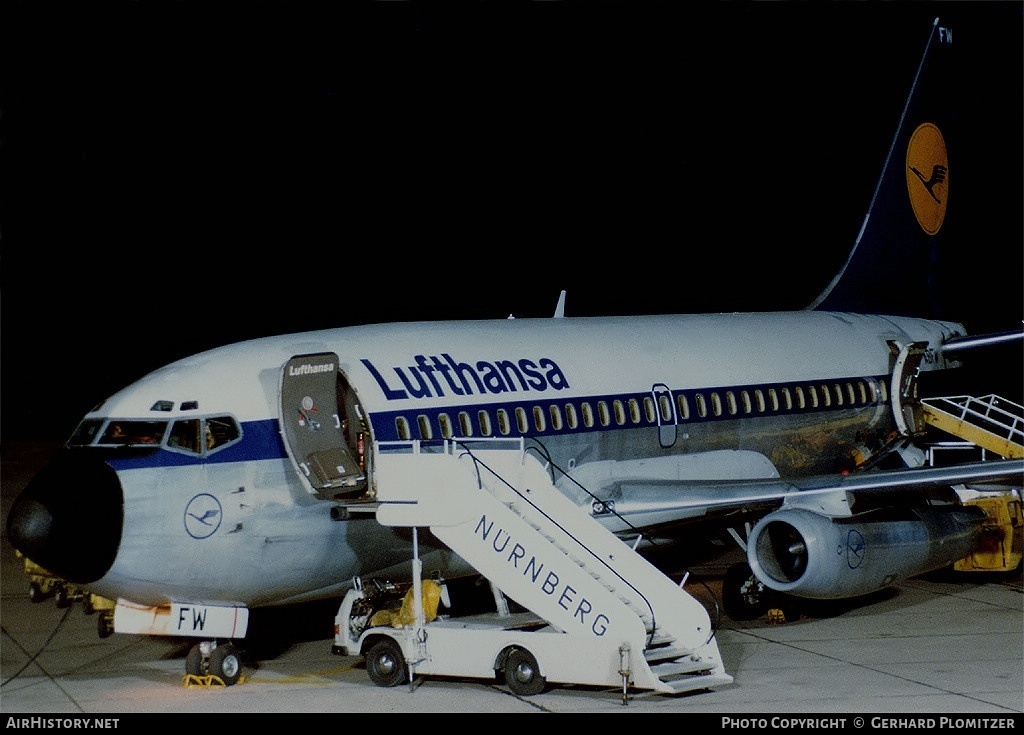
(68, 519)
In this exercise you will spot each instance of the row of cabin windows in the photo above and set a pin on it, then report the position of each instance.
(635, 411)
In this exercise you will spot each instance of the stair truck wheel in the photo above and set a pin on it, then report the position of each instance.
(522, 674)
(226, 663)
(743, 596)
(385, 663)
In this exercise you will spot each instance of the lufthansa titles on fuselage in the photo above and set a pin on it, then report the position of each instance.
(435, 376)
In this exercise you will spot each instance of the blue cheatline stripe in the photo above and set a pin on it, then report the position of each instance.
(261, 440)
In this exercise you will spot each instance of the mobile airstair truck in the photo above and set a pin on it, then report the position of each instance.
(597, 612)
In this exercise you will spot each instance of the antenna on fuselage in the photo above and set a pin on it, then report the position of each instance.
(560, 307)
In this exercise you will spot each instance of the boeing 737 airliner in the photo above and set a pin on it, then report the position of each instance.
(280, 470)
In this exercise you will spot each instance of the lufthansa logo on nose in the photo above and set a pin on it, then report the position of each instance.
(202, 516)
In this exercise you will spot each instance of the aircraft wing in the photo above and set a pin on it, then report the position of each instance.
(635, 504)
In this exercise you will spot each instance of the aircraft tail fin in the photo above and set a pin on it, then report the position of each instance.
(891, 268)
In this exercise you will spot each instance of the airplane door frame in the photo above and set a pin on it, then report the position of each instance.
(316, 426)
(667, 425)
(903, 388)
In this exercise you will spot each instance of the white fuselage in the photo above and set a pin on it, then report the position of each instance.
(803, 390)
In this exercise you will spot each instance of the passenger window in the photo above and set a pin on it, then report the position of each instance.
(684, 407)
(773, 399)
(556, 417)
(634, 411)
(538, 418)
(716, 404)
(730, 402)
(702, 407)
(649, 410)
(424, 426)
(620, 412)
(602, 412)
(524, 426)
(402, 427)
(465, 425)
(588, 415)
(504, 425)
(484, 420)
(570, 416)
(445, 424)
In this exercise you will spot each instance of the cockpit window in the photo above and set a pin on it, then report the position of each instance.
(185, 435)
(85, 433)
(133, 433)
(202, 436)
(199, 436)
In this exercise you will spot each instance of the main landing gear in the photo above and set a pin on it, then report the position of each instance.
(746, 598)
(209, 658)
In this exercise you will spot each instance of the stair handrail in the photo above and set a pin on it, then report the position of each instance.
(966, 409)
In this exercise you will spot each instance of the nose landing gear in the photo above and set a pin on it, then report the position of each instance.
(209, 660)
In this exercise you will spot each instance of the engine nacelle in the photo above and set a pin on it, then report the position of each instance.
(807, 554)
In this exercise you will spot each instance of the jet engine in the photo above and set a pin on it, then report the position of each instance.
(807, 554)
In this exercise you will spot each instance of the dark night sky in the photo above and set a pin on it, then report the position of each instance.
(177, 176)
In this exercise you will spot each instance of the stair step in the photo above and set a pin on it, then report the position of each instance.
(693, 683)
(664, 653)
(660, 638)
(678, 667)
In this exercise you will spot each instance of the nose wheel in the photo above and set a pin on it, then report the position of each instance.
(209, 658)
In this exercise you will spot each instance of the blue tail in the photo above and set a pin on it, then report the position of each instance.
(891, 268)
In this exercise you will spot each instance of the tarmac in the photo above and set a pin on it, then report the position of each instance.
(944, 645)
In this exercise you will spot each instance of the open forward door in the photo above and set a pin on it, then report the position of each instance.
(322, 426)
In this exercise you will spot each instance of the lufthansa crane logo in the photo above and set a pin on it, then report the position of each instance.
(856, 546)
(202, 516)
(928, 176)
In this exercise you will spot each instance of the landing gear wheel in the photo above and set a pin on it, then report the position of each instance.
(225, 663)
(194, 661)
(522, 673)
(35, 593)
(743, 596)
(61, 597)
(385, 664)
